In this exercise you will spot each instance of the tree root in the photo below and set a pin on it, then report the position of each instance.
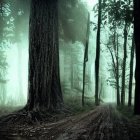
(25, 116)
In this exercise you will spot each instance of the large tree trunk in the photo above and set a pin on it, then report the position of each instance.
(97, 60)
(44, 79)
(131, 74)
(85, 58)
(124, 64)
(137, 42)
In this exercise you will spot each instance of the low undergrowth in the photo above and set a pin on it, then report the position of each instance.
(133, 121)
(75, 105)
(127, 111)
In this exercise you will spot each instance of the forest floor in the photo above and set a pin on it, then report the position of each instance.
(104, 122)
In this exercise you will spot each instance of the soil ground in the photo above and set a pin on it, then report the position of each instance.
(104, 122)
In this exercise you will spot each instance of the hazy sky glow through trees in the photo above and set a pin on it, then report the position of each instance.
(90, 3)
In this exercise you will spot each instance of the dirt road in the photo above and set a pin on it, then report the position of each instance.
(103, 123)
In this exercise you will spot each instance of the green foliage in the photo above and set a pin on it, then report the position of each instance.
(119, 12)
(116, 12)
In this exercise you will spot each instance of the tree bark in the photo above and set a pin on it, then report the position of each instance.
(137, 43)
(124, 64)
(44, 78)
(131, 74)
(97, 60)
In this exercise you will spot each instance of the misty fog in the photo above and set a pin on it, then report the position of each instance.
(72, 38)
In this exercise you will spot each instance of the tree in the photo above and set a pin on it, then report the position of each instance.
(127, 17)
(44, 80)
(110, 17)
(117, 73)
(115, 59)
(115, 68)
(131, 74)
(97, 59)
(137, 43)
(85, 58)
(121, 19)
(124, 63)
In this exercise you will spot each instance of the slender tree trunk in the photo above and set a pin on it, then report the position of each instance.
(100, 93)
(44, 78)
(131, 74)
(83, 92)
(71, 62)
(97, 60)
(116, 67)
(117, 73)
(137, 42)
(85, 58)
(124, 64)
